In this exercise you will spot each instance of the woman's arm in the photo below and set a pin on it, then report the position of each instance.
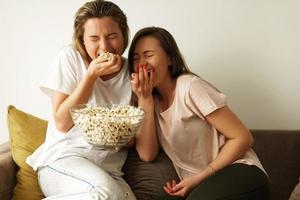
(62, 103)
(239, 138)
(146, 139)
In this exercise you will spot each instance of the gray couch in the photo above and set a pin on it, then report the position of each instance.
(278, 151)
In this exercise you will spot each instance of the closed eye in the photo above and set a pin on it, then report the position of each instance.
(112, 36)
(135, 57)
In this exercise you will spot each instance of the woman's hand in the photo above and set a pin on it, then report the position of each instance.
(142, 83)
(102, 66)
(184, 187)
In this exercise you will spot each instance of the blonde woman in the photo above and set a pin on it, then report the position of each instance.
(69, 167)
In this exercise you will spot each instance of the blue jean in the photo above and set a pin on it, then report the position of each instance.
(76, 177)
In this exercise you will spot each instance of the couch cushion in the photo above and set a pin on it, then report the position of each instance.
(26, 133)
(148, 178)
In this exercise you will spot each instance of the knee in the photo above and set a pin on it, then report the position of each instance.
(109, 193)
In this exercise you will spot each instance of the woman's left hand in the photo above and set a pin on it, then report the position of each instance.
(183, 188)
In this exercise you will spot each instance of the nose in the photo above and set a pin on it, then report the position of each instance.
(104, 45)
(143, 61)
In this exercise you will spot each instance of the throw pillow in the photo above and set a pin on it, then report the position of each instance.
(296, 192)
(26, 133)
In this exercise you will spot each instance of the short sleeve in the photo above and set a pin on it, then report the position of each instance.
(203, 98)
(61, 75)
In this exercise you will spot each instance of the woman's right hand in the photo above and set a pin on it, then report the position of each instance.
(142, 83)
(146, 139)
(101, 66)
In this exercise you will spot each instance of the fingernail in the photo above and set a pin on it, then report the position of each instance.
(132, 76)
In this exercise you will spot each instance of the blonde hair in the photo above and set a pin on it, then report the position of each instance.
(98, 9)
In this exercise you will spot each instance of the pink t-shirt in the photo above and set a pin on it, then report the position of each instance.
(184, 133)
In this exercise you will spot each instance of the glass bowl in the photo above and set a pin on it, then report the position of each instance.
(107, 126)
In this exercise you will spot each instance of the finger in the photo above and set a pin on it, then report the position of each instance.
(167, 190)
(145, 70)
(173, 183)
(177, 187)
(141, 74)
(169, 186)
(179, 193)
(151, 79)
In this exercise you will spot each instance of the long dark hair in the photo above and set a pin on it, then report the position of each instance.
(169, 45)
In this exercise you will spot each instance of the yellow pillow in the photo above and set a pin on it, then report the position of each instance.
(26, 133)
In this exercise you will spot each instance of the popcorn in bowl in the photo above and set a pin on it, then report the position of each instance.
(109, 126)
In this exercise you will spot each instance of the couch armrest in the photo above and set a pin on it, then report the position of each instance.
(8, 170)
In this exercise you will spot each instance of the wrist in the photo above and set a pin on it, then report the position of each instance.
(146, 102)
(91, 75)
(210, 170)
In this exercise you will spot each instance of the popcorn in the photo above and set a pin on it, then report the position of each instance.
(108, 126)
(107, 56)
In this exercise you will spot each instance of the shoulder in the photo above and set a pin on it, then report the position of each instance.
(193, 85)
(195, 82)
(185, 81)
(69, 51)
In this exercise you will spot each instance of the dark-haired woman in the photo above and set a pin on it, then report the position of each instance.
(209, 146)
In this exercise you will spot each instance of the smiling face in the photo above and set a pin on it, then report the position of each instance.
(102, 35)
(148, 51)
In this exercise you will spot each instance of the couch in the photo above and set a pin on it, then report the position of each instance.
(277, 150)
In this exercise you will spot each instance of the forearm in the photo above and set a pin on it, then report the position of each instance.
(80, 96)
(233, 150)
(239, 138)
(146, 139)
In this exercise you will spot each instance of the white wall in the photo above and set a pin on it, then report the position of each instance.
(248, 49)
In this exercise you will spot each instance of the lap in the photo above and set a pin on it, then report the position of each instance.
(237, 181)
(77, 175)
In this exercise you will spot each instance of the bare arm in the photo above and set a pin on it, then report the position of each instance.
(62, 103)
(239, 138)
(146, 139)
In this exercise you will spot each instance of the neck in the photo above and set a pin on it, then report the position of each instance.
(167, 92)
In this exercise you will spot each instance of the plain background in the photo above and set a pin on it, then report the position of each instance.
(249, 49)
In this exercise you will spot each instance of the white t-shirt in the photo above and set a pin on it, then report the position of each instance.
(186, 136)
(65, 73)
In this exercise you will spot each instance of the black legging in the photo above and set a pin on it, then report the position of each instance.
(235, 182)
